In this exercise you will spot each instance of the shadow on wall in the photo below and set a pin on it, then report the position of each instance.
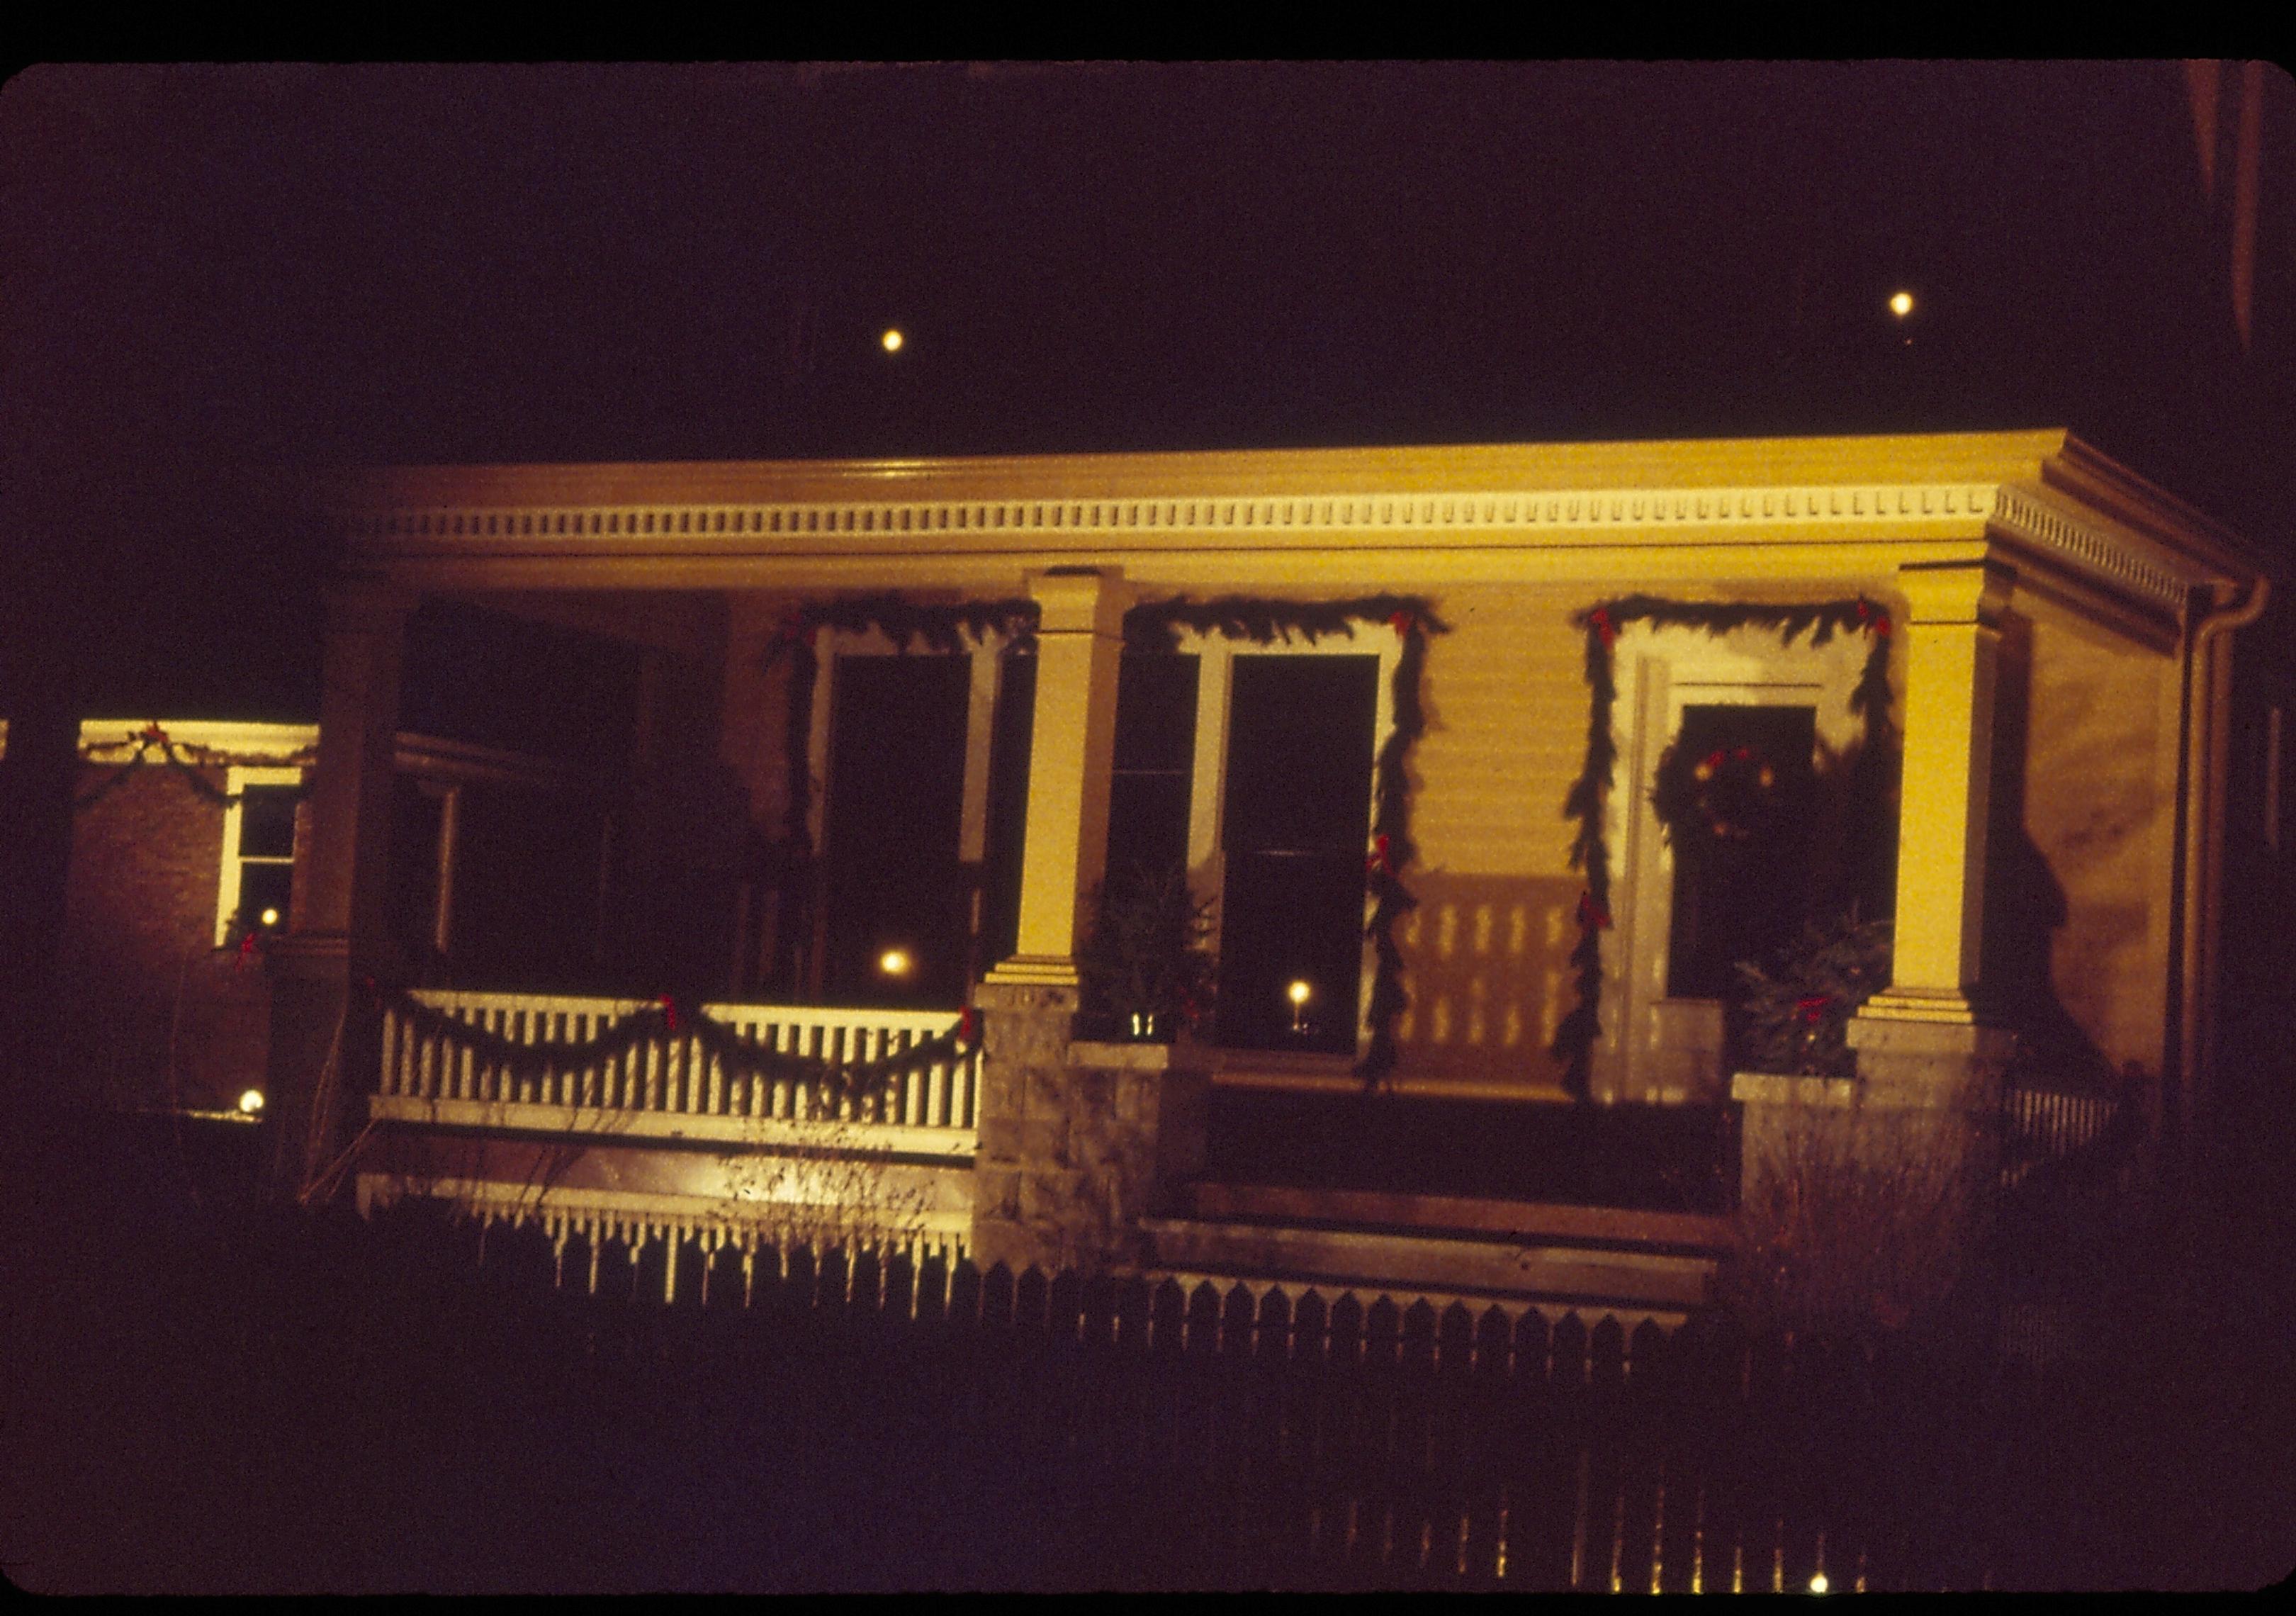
(2025, 904)
(1486, 963)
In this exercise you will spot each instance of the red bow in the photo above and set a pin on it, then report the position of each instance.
(249, 948)
(964, 1026)
(1379, 863)
(1599, 620)
(1874, 618)
(668, 1013)
(153, 732)
(1402, 622)
(1813, 1007)
(1592, 914)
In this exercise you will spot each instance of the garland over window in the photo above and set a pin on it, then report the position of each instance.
(186, 762)
(1153, 625)
(1574, 1039)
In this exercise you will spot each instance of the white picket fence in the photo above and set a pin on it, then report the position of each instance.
(678, 1076)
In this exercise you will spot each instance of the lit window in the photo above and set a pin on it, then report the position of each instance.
(259, 851)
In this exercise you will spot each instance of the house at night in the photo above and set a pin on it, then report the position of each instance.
(1487, 763)
(185, 837)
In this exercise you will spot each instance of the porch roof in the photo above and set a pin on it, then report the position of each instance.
(1767, 508)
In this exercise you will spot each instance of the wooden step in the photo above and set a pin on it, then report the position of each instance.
(1581, 1256)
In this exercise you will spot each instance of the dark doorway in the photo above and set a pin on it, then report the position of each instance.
(899, 906)
(1015, 733)
(1296, 817)
(1742, 879)
(1155, 764)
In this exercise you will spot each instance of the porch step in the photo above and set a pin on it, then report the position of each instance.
(1593, 1258)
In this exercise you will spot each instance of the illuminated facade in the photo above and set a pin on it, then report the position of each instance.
(2057, 653)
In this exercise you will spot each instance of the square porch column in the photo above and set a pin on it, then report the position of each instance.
(1952, 641)
(1072, 759)
(1881, 1189)
(1077, 1141)
(339, 924)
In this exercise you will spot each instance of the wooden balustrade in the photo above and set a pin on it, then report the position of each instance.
(676, 1081)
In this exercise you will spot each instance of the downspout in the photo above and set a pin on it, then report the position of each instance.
(2207, 746)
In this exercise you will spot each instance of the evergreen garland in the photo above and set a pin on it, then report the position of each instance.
(184, 762)
(1156, 626)
(1820, 620)
(664, 1021)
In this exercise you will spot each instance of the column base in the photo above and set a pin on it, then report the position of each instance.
(1945, 1006)
(1035, 971)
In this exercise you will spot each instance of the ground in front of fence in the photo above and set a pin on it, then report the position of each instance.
(217, 1399)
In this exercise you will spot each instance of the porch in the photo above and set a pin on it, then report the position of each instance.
(547, 1109)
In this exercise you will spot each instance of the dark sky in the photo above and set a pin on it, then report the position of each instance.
(214, 277)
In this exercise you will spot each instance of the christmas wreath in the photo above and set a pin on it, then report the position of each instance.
(1728, 795)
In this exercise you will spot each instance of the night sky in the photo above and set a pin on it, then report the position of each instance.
(217, 278)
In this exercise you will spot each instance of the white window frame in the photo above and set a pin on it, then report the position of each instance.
(237, 779)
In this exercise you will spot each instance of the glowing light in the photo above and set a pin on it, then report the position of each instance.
(894, 962)
(1901, 304)
(1298, 993)
(251, 1102)
(892, 339)
(271, 917)
(1817, 1583)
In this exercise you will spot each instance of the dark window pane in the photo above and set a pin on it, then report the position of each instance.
(1299, 754)
(896, 783)
(1147, 822)
(1008, 807)
(1155, 763)
(265, 887)
(1156, 713)
(266, 821)
(1289, 918)
(1297, 818)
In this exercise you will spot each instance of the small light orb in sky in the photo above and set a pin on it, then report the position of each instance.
(894, 962)
(892, 339)
(1901, 304)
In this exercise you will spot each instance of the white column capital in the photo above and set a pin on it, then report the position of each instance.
(1081, 599)
(1956, 592)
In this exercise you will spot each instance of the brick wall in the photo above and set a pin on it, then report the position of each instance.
(141, 973)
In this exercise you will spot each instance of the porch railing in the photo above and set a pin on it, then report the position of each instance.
(677, 1077)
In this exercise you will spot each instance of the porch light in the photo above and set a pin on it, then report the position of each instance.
(1901, 304)
(892, 339)
(1299, 993)
(271, 917)
(894, 962)
(250, 1104)
(1817, 1584)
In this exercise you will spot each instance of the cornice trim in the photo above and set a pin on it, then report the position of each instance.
(1586, 511)
(2091, 547)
